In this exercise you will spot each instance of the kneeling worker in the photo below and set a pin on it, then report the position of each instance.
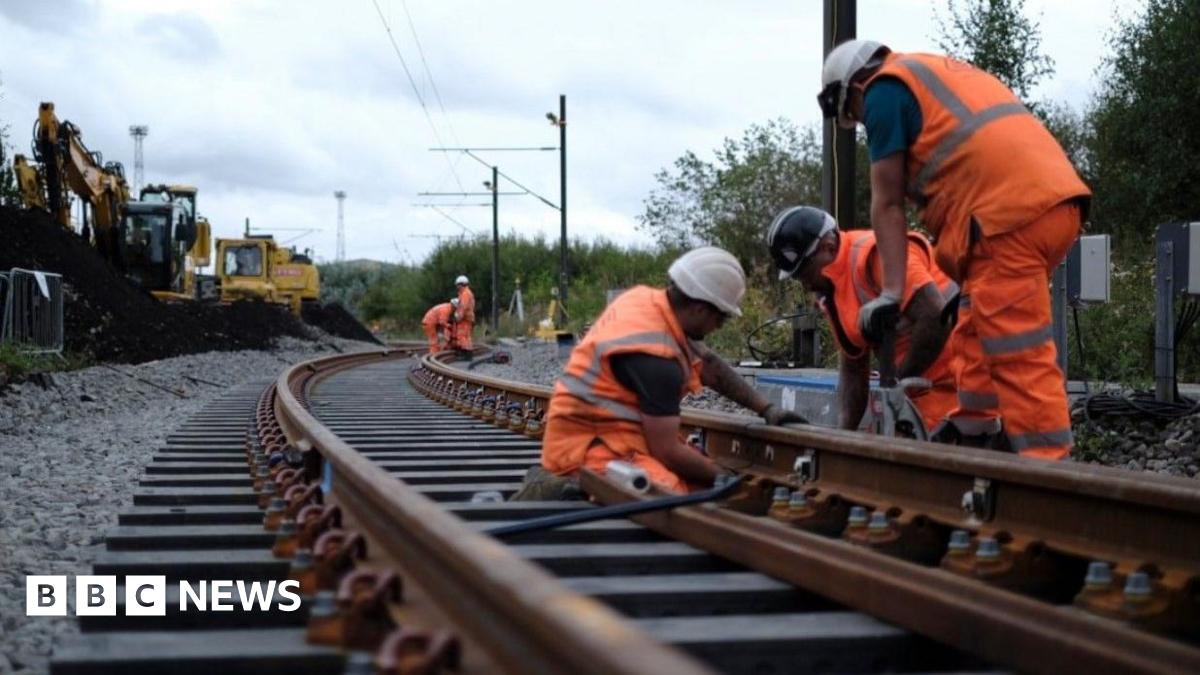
(843, 270)
(619, 395)
(438, 323)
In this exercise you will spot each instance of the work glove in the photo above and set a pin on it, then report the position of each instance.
(878, 316)
(776, 416)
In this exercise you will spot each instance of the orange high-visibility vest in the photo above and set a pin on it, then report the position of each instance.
(981, 156)
(589, 403)
(466, 305)
(438, 315)
(855, 284)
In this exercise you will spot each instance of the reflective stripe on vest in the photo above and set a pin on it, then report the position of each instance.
(583, 391)
(592, 372)
(968, 124)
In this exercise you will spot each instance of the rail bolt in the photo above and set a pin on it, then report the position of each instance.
(857, 518)
(275, 512)
(487, 497)
(960, 543)
(516, 417)
(1099, 576)
(362, 618)
(334, 554)
(411, 652)
(303, 571)
(314, 520)
(285, 540)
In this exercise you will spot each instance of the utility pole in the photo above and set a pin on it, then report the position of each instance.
(495, 251)
(837, 168)
(139, 133)
(341, 226)
(562, 197)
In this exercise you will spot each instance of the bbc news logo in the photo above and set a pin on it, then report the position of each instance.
(146, 595)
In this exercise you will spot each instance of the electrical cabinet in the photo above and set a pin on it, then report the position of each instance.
(1179, 252)
(1089, 269)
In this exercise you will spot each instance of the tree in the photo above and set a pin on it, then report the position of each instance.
(1145, 131)
(729, 201)
(10, 195)
(996, 36)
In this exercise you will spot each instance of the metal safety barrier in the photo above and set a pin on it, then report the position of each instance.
(32, 311)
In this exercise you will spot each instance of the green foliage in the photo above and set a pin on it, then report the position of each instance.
(729, 201)
(996, 36)
(1118, 337)
(1145, 131)
(10, 194)
(17, 364)
(348, 282)
(401, 295)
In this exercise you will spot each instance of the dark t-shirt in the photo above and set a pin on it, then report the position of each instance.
(656, 381)
(892, 118)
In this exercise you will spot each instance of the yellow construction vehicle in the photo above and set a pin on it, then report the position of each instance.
(66, 165)
(190, 246)
(257, 267)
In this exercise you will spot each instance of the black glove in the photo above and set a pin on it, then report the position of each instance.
(776, 416)
(879, 316)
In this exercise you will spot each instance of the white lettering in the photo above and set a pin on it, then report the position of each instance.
(222, 591)
(198, 599)
(256, 595)
(286, 591)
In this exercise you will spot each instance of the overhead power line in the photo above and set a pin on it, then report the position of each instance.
(413, 83)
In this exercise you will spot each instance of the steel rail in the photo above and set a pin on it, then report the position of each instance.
(523, 618)
(1037, 510)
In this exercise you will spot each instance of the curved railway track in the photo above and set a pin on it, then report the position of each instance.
(371, 479)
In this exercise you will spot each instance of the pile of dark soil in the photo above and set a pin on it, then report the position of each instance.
(110, 319)
(335, 319)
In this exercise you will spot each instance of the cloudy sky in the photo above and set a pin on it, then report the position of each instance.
(270, 106)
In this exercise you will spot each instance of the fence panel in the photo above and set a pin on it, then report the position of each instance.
(34, 311)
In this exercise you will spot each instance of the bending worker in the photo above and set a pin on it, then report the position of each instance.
(465, 315)
(618, 397)
(438, 324)
(843, 270)
(1005, 205)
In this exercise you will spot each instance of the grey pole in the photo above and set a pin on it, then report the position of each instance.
(1058, 310)
(1164, 317)
(495, 252)
(562, 198)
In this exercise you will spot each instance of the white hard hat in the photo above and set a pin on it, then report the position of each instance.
(712, 275)
(454, 302)
(462, 279)
(841, 65)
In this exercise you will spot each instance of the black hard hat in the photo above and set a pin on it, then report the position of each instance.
(794, 235)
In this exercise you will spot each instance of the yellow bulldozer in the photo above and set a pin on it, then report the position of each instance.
(256, 267)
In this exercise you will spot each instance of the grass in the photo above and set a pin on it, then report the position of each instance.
(16, 364)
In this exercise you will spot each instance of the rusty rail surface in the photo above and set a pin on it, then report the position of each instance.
(524, 619)
(1028, 601)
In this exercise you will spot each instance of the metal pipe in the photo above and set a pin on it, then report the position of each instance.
(562, 198)
(495, 251)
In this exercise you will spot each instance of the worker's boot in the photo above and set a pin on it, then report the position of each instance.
(540, 485)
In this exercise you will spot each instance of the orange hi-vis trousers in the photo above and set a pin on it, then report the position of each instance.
(1007, 357)
(462, 334)
(431, 334)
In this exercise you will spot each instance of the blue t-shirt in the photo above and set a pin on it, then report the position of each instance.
(893, 118)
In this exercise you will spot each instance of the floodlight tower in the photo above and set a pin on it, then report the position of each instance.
(341, 228)
(139, 133)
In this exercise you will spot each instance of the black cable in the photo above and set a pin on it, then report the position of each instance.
(1136, 404)
(765, 357)
(627, 509)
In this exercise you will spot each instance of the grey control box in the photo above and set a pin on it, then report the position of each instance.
(1183, 255)
(1089, 269)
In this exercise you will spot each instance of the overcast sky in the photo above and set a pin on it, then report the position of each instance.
(269, 106)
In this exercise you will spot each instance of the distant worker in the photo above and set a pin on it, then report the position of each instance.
(1002, 199)
(438, 324)
(843, 270)
(619, 396)
(465, 316)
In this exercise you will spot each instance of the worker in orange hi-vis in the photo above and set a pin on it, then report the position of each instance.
(842, 269)
(438, 324)
(1005, 205)
(465, 315)
(619, 396)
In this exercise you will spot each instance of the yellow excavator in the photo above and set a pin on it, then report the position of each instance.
(65, 164)
(259, 268)
(167, 244)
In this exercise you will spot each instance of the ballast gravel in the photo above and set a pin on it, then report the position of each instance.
(71, 451)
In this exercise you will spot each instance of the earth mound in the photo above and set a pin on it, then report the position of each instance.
(109, 318)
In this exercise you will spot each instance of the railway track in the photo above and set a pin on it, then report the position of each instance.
(835, 553)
